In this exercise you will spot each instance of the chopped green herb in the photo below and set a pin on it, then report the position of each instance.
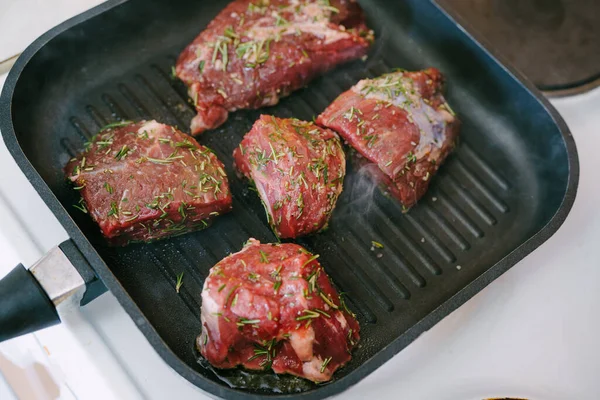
(244, 321)
(322, 312)
(186, 143)
(115, 125)
(327, 300)
(279, 20)
(113, 210)
(108, 188)
(181, 210)
(276, 272)
(263, 257)
(179, 282)
(344, 306)
(81, 206)
(221, 48)
(313, 258)
(325, 363)
(122, 153)
(376, 244)
(308, 314)
(230, 33)
(167, 160)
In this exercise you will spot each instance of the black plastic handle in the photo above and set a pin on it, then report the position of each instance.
(24, 306)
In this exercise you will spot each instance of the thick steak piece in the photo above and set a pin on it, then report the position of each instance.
(273, 306)
(145, 180)
(256, 51)
(298, 169)
(401, 123)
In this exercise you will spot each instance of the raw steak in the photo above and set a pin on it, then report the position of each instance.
(273, 306)
(298, 169)
(256, 51)
(144, 181)
(401, 123)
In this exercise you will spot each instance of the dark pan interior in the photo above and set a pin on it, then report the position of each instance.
(507, 179)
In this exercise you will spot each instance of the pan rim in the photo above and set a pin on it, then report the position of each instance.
(370, 365)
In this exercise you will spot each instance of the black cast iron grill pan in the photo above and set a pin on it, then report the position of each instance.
(507, 188)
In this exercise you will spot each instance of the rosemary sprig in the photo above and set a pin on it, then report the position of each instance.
(263, 257)
(108, 188)
(167, 160)
(328, 300)
(81, 206)
(121, 154)
(325, 363)
(376, 244)
(313, 258)
(179, 282)
(245, 321)
(114, 210)
(186, 143)
(115, 125)
(308, 314)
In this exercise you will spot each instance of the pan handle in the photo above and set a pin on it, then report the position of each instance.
(29, 298)
(24, 305)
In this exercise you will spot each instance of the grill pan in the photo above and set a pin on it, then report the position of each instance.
(507, 188)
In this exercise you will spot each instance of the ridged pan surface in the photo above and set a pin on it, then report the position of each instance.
(505, 190)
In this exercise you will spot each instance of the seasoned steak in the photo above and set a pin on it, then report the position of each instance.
(298, 169)
(401, 123)
(145, 180)
(256, 51)
(272, 306)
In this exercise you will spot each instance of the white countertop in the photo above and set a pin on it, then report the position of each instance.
(531, 333)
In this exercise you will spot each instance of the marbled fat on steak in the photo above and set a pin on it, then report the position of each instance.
(272, 306)
(401, 123)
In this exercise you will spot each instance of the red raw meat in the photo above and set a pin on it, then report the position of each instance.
(298, 169)
(255, 52)
(273, 306)
(144, 181)
(401, 123)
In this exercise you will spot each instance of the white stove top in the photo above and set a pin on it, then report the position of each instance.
(531, 333)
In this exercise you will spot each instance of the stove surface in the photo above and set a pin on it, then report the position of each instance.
(554, 43)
